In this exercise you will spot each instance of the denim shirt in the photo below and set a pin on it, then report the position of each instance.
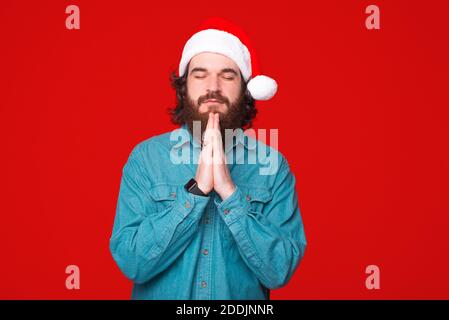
(176, 245)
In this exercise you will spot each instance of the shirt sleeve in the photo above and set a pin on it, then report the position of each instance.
(271, 242)
(145, 242)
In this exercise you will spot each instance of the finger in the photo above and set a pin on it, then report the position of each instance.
(210, 121)
(218, 152)
(207, 154)
(214, 115)
(208, 130)
(217, 122)
(206, 151)
(212, 128)
(218, 132)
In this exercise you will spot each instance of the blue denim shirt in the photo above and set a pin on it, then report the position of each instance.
(176, 245)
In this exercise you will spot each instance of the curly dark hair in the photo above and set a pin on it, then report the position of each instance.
(178, 114)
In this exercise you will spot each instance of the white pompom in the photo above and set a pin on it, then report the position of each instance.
(262, 88)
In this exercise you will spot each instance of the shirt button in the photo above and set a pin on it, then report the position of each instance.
(206, 220)
(203, 284)
(173, 194)
(226, 211)
(187, 205)
(248, 198)
(205, 252)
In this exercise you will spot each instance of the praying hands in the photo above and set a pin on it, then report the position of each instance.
(212, 171)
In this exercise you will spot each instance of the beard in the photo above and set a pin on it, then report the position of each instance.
(231, 119)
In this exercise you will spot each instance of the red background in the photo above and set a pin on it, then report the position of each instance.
(362, 118)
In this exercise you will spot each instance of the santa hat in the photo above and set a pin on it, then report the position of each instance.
(217, 40)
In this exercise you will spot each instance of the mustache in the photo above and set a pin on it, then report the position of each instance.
(214, 95)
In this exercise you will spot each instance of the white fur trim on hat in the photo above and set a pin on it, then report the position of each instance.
(217, 41)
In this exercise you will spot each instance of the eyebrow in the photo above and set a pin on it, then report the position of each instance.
(198, 70)
(229, 70)
(225, 70)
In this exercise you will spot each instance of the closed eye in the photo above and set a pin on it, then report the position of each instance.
(229, 74)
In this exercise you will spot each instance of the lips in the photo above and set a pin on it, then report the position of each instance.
(211, 100)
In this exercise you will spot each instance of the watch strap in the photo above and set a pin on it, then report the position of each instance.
(192, 187)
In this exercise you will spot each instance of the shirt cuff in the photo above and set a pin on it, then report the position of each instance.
(190, 205)
(235, 206)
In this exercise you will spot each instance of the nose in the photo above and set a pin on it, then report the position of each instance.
(213, 83)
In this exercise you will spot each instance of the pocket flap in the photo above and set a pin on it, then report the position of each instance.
(256, 194)
(163, 192)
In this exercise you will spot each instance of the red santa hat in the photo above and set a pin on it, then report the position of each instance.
(219, 36)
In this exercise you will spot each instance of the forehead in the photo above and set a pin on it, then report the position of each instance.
(212, 62)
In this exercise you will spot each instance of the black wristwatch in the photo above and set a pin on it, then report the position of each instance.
(192, 187)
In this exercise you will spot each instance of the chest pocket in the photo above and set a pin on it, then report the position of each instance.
(256, 197)
(163, 196)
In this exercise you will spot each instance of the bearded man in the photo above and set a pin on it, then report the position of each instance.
(209, 227)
